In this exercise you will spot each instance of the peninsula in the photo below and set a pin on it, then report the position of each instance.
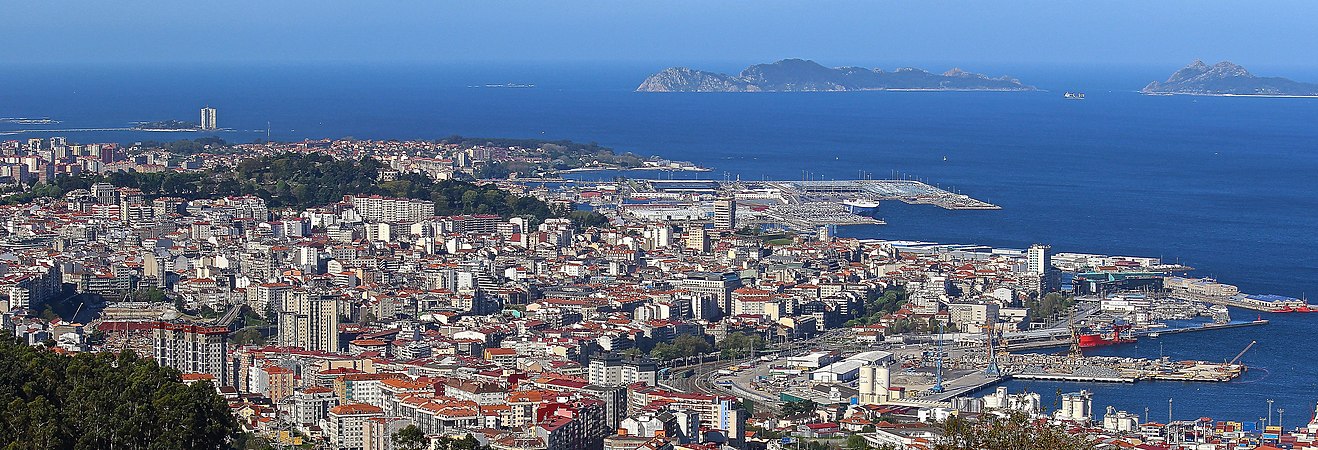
(800, 75)
(1226, 78)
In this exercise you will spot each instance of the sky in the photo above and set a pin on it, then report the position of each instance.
(876, 33)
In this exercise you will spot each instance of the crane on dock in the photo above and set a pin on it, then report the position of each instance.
(993, 369)
(938, 377)
(1242, 353)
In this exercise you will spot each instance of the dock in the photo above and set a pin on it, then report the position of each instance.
(965, 385)
(905, 191)
(1103, 369)
(1062, 337)
(1245, 302)
(808, 216)
(1204, 327)
(804, 205)
(1071, 377)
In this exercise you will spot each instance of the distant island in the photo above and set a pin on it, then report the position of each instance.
(1226, 78)
(800, 75)
(166, 125)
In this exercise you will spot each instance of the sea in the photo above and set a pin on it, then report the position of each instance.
(1227, 185)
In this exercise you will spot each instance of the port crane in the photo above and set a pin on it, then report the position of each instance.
(993, 369)
(938, 383)
(1242, 352)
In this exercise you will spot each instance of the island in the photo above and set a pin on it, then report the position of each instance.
(1227, 78)
(801, 75)
(166, 125)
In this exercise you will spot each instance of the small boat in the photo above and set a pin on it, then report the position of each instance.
(1154, 335)
(1074, 95)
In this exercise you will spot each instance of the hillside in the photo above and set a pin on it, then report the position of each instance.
(795, 75)
(1226, 78)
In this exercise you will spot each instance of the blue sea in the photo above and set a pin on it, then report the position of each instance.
(1227, 185)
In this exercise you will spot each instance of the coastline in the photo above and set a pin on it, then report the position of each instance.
(1168, 94)
(658, 169)
(841, 90)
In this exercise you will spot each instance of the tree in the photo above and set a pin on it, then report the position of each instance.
(748, 405)
(799, 408)
(92, 401)
(410, 438)
(683, 346)
(856, 442)
(1014, 432)
(736, 345)
(307, 180)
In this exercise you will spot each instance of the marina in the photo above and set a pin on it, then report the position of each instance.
(803, 205)
(1254, 302)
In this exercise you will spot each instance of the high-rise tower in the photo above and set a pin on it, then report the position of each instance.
(208, 118)
(725, 213)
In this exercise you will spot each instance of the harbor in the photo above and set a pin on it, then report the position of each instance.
(1107, 369)
(801, 205)
(1053, 338)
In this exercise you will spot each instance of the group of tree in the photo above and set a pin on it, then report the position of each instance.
(412, 438)
(100, 401)
(1012, 432)
(916, 325)
(1044, 308)
(561, 154)
(799, 408)
(738, 345)
(208, 144)
(879, 303)
(683, 346)
(302, 181)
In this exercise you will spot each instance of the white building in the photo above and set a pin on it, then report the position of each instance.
(208, 118)
(1027, 402)
(614, 370)
(1076, 406)
(876, 379)
(388, 209)
(1120, 421)
(345, 424)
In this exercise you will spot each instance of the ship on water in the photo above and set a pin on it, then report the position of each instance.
(1074, 95)
(861, 207)
(1117, 332)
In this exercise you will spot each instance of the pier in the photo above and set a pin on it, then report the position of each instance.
(1062, 337)
(798, 205)
(966, 385)
(1071, 377)
(905, 191)
(1243, 301)
(1115, 370)
(807, 216)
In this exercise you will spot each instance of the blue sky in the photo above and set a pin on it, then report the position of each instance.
(874, 33)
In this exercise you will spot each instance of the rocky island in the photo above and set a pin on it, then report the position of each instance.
(1226, 78)
(798, 75)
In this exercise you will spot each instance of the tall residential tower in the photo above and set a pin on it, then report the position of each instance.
(208, 118)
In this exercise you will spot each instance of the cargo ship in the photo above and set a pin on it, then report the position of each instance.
(861, 207)
(1115, 333)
